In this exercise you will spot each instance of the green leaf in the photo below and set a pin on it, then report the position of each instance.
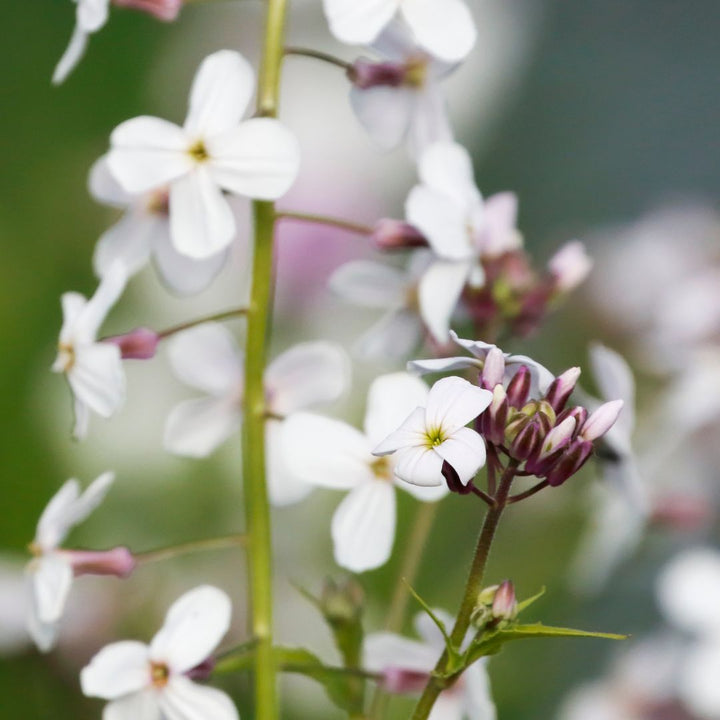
(440, 624)
(527, 603)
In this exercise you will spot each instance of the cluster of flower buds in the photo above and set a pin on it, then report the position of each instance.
(495, 605)
(552, 441)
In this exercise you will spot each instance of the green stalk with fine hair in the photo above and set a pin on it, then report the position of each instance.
(257, 506)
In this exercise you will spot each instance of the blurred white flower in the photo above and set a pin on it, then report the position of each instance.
(212, 152)
(445, 28)
(51, 570)
(569, 266)
(144, 232)
(406, 666)
(93, 369)
(436, 433)
(146, 682)
(333, 454)
(206, 357)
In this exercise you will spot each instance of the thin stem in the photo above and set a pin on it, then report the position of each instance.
(257, 506)
(528, 493)
(436, 684)
(217, 317)
(317, 55)
(325, 220)
(165, 553)
(487, 499)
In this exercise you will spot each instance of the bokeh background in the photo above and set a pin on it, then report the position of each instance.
(596, 113)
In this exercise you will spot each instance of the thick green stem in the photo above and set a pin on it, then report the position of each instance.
(436, 684)
(257, 506)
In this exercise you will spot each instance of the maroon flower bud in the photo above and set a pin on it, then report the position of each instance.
(561, 388)
(366, 74)
(389, 234)
(504, 606)
(203, 671)
(453, 480)
(138, 344)
(569, 462)
(519, 387)
(493, 370)
(579, 413)
(527, 441)
(118, 562)
(494, 419)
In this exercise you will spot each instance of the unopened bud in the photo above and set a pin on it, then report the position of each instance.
(166, 10)
(519, 387)
(561, 388)
(493, 370)
(389, 234)
(558, 437)
(526, 442)
(118, 562)
(569, 266)
(579, 413)
(601, 420)
(494, 419)
(138, 344)
(504, 606)
(203, 671)
(342, 602)
(365, 74)
(569, 462)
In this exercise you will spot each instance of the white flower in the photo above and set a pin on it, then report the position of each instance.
(144, 232)
(460, 227)
(415, 110)
(333, 454)
(444, 28)
(149, 682)
(436, 433)
(406, 666)
(206, 357)
(51, 570)
(93, 369)
(90, 16)
(212, 152)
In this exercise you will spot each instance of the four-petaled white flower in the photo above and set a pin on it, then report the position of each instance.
(212, 152)
(436, 433)
(150, 682)
(207, 358)
(144, 232)
(405, 666)
(331, 453)
(93, 369)
(461, 228)
(445, 28)
(90, 16)
(51, 570)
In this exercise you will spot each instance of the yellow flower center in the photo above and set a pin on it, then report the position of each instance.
(66, 356)
(198, 152)
(381, 468)
(435, 437)
(159, 674)
(416, 72)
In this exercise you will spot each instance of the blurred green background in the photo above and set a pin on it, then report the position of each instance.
(611, 109)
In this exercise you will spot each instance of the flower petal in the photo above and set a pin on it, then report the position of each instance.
(82, 419)
(438, 294)
(454, 402)
(430, 122)
(284, 486)
(97, 378)
(51, 580)
(419, 466)
(220, 94)
(363, 527)
(439, 365)
(384, 112)
(396, 334)
(141, 705)
(384, 650)
(104, 187)
(184, 700)
(447, 169)
(118, 669)
(194, 626)
(92, 14)
(369, 284)
(92, 497)
(72, 55)
(260, 159)
(411, 433)
(55, 520)
(326, 452)
(147, 153)
(465, 451)
(307, 374)
(614, 379)
(128, 242)
(195, 428)
(358, 21)
(444, 28)
(93, 314)
(44, 634)
(202, 223)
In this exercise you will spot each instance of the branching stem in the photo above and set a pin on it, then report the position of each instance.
(348, 225)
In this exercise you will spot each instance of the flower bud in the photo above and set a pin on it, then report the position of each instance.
(519, 387)
(504, 606)
(166, 10)
(561, 388)
(341, 603)
(365, 74)
(494, 419)
(527, 441)
(558, 437)
(569, 266)
(569, 462)
(389, 234)
(118, 562)
(601, 420)
(138, 344)
(203, 671)
(493, 369)
(453, 480)
(579, 413)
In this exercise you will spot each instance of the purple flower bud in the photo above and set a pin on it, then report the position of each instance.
(138, 344)
(390, 234)
(399, 680)
(561, 388)
(558, 437)
(203, 671)
(601, 420)
(504, 606)
(366, 74)
(527, 441)
(493, 369)
(519, 387)
(166, 10)
(453, 480)
(569, 462)
(118, 562)
(569, 266)
(494, 419)
(579, 413)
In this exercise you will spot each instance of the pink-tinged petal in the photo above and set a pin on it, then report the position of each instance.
(147, 153)
(447, 169)
(305, 375)
(363, 527)
(438, 365)
(260, 159)
(97, 378)
(206, 357)
(395, 42)
(442, 220)
(359, 21)
(326, 452)
(284, 486)
(127, 242)
(438, 294)
(220, 94)
(92, 14)
(465, 451)
(142, 705)
(384, 650)
(395, 336)
(92, 497)
(391, 398)
(72, 55)
(430, 122)
(384, 112)
(118, 669)
(96, 309)
(569, 266)
(419, 466)
(601, 420)
(202, 223)
(411, 433)
(196, 428)
(182, 699)
(55, 522)
(105, 188)
(500, 234)
(51, 580)
(454, 402)
(194, 626)
(369, 284)
(445, 28)
(614, 379)
(477, 699)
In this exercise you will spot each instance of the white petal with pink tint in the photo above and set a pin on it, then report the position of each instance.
(384, 112)
(359, 21)
(444, 28)
(196, 428)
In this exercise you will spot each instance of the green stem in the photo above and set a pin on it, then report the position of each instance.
(317, 55)
(325, 220)
(165, 553)
(436, 684)
(257, 506)
(237, 312)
